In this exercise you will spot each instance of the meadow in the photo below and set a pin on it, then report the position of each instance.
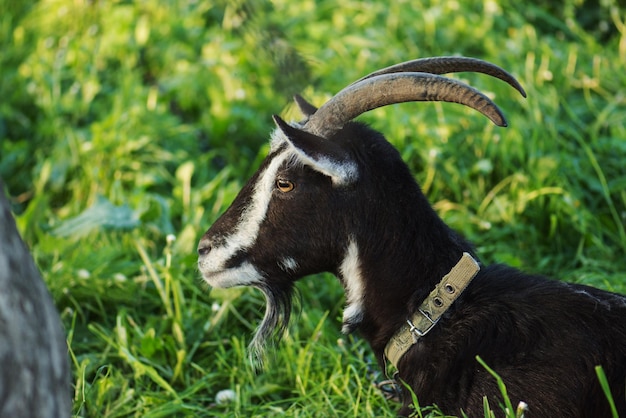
(127, 128)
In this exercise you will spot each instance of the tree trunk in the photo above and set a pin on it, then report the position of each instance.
(34, 366)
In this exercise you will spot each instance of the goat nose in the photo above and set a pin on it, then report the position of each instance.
(204, 247)
(204, 250)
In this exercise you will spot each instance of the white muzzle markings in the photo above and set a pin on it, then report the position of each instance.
(213, 265)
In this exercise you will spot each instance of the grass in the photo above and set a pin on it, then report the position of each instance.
(126, 128)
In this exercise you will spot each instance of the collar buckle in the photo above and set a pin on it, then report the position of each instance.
(417, 333)
(430, 311)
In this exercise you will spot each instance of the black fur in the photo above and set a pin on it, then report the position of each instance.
(279, 303)
(543, 337)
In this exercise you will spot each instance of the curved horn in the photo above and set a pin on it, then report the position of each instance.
(446, 65)
(382, 90)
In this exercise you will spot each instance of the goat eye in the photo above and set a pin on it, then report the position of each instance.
(285, 185)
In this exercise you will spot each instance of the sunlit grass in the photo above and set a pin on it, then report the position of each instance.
(127, 128)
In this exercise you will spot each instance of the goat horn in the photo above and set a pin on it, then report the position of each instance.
(399, 87)
(446, 65)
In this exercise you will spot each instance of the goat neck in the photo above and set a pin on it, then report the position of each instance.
(390, 258)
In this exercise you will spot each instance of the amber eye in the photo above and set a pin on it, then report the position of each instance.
(284, 185)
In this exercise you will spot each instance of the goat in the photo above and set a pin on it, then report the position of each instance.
(35, 373)
(334, 196)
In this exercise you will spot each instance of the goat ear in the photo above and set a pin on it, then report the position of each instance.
(322, 155)
(305, 107)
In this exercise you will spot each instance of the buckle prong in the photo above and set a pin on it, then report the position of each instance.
(416, 331)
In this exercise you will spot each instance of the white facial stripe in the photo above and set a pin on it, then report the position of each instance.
(247, 229)
(213, 265)
(350, 272)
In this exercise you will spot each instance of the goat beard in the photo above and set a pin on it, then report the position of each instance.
(278, 305)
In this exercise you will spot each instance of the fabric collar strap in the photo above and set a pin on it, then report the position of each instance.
(433, 307)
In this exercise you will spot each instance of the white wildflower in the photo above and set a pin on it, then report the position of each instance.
(225, 396)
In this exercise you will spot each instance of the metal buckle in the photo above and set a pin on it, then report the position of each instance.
(416, 331)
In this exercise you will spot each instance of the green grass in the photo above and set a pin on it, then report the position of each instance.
(126, 128)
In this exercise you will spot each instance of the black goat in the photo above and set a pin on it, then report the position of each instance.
(333, 195)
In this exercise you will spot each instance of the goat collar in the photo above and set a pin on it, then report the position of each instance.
(433, 307)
